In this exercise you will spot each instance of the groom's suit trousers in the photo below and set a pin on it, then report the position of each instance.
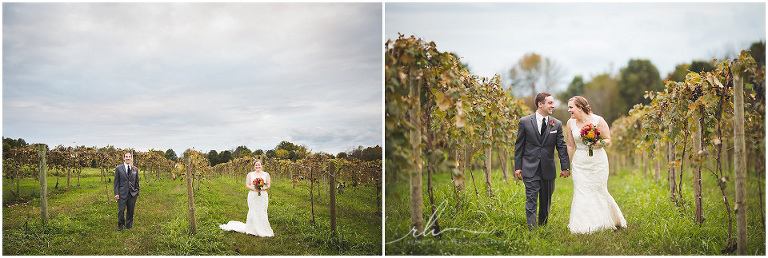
(123, 205)
(538, 191)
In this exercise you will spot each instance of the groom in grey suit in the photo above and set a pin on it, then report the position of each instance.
(537, 137)
(126, 191)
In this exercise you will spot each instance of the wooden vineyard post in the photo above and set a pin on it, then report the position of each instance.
(739, 160)
(417, 201)
(190, 198)
(197, 181)
(234, 177)
(311, 195)
(378, 195)
(332, 185)
(657, 173)
(43, 183)
(487, 163)
(505, 165)
(325, 186)
(671, 175)
(699, 218)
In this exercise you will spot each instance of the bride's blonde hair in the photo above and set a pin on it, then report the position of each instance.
(581, 103)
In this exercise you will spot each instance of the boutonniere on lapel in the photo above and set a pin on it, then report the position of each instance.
(552, 123)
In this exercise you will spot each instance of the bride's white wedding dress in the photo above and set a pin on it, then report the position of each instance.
(593, 208)
(256, 223)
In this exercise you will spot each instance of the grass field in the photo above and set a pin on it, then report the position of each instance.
(655, 225)
(83, 220)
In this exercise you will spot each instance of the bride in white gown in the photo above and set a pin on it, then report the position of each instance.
(256, 223)
(593, 208)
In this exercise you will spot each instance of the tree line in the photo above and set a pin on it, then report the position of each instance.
(285, 150)
(611, 95)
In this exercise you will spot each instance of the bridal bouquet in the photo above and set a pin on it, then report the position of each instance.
(590, 135)
(258, 183)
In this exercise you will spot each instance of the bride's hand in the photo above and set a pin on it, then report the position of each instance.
(601, 143)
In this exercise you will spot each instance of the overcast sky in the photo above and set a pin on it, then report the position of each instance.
(586, 39)
(209, 76)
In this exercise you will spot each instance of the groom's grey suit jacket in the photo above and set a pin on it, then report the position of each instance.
(532, 150)
(126, 183)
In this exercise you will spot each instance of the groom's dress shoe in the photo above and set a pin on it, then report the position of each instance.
(119, 229)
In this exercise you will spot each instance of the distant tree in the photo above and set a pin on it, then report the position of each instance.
(171, 155)
(295, 152)
(286, 145)
(757, 50)
(225, 156)
(372, 153)
(367, 154)
(679, 73)
(241, 151)
(21, 143)
(213, 157)
(300, 152)
(282, 154)
(341, 155)
(356, 153)
(258, 152)
(698, 66)
(324, 155)
(270, 153)
(11, 143)
(603, 96)
(575, 88)
(533, 74)
(634, 80)
(155, 152)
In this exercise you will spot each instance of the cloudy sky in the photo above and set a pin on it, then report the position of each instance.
(209, 76)
(586, 39)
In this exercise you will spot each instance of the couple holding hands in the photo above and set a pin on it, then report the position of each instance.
(593, 208)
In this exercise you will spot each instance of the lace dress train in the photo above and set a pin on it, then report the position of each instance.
(256, 223)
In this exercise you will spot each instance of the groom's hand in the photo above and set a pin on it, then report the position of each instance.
(117, 197)
(519, 174)
(565, 173)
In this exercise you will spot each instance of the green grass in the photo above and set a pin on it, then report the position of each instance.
(83, 220)
(655, 225)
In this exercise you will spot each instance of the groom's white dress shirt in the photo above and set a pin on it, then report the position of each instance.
(539, 117)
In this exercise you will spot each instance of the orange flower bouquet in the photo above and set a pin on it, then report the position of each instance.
(590, 135)
(258, 183)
